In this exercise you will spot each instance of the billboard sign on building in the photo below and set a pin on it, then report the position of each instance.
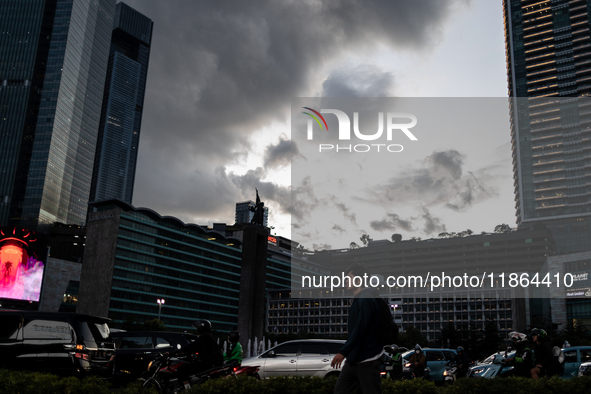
(21, 268)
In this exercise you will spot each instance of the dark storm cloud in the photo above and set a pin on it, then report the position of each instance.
(280, 155)
(439, 182)
(392, 222)
(361, 81)
(338, 229)
(432, 224)
(221, 70)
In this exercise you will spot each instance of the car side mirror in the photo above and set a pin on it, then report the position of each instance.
(271, 354)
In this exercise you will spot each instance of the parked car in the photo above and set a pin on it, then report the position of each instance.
(574, 357)
(305, 357)
(135, 349)
(585, 369)
(61, 343)
(436, 360)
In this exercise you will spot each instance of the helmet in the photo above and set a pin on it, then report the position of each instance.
(540, 333)
(394, 348)
(517, 337)
(234, 336)
(202, 326)
(460, 349)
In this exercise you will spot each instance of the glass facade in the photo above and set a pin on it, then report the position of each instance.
(548, 47)
(53, 135)
(195, 269)
(123, 101)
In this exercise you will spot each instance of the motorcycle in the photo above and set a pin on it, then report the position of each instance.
(410, 373)
(450, 373)
(493, 368)
(163, 375)
(247, 371)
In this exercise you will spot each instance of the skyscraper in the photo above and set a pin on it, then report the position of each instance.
(123, 102)
(549, 78)
(53, 61)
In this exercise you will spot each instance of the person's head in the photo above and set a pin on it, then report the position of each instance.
(460, 350)
(234, 336)
(202, 326)
(538, 335)
(418, 349)
(352, 271)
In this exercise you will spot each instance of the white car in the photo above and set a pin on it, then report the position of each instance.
(304, 357)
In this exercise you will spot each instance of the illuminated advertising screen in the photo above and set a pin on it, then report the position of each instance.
(21, 268)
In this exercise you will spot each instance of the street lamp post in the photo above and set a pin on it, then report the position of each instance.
(160, 302)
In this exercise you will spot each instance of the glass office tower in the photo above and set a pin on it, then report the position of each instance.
(548, 51)
(53, 60)
(123, 102)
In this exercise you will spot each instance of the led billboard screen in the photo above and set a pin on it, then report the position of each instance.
(21, 268)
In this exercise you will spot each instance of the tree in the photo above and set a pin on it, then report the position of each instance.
(365, 239)
(503, 229)
(411, 337)
(415, 239)
(396, 237)
(450, 336)
(353, 245)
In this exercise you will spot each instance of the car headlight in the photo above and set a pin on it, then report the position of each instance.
(478, 370)
(407, 365)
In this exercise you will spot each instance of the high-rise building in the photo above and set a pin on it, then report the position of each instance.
(549, 74)
(244, 214)
(123, 102)
(53, 61)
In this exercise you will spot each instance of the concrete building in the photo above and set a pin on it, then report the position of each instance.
(548, 45)
(54, 60)
(519, 251)
(134, 256)
(548, 48)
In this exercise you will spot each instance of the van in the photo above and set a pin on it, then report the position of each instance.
(60, 343)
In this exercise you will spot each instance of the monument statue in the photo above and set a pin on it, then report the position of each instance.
(259, 211)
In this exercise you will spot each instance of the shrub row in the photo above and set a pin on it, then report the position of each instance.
(16, 382)
(21, 382)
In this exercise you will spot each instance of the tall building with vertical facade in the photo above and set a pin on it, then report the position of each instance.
(53, 61)
(123, 102)
(548, 50)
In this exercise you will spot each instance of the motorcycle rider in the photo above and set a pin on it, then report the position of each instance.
(462, 362)
(543, 352)
(418, 361)
(204, 351)
(394, 357)
(522, 360)
(234, 353)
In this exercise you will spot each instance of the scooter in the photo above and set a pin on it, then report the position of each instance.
(163, 375)
(450, 373)
(493, 369)
(247, 371)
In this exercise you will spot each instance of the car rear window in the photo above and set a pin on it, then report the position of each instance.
(135, 342)
(309, 349)
(435, 355)
(47, 329)
(333, 348)
(289, 349)
(9, 326)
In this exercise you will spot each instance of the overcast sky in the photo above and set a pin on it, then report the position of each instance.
(222, 76)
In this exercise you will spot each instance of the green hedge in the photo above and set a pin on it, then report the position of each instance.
(19, 382)
(16, 382)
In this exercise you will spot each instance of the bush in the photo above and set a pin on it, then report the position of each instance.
(18, 382)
